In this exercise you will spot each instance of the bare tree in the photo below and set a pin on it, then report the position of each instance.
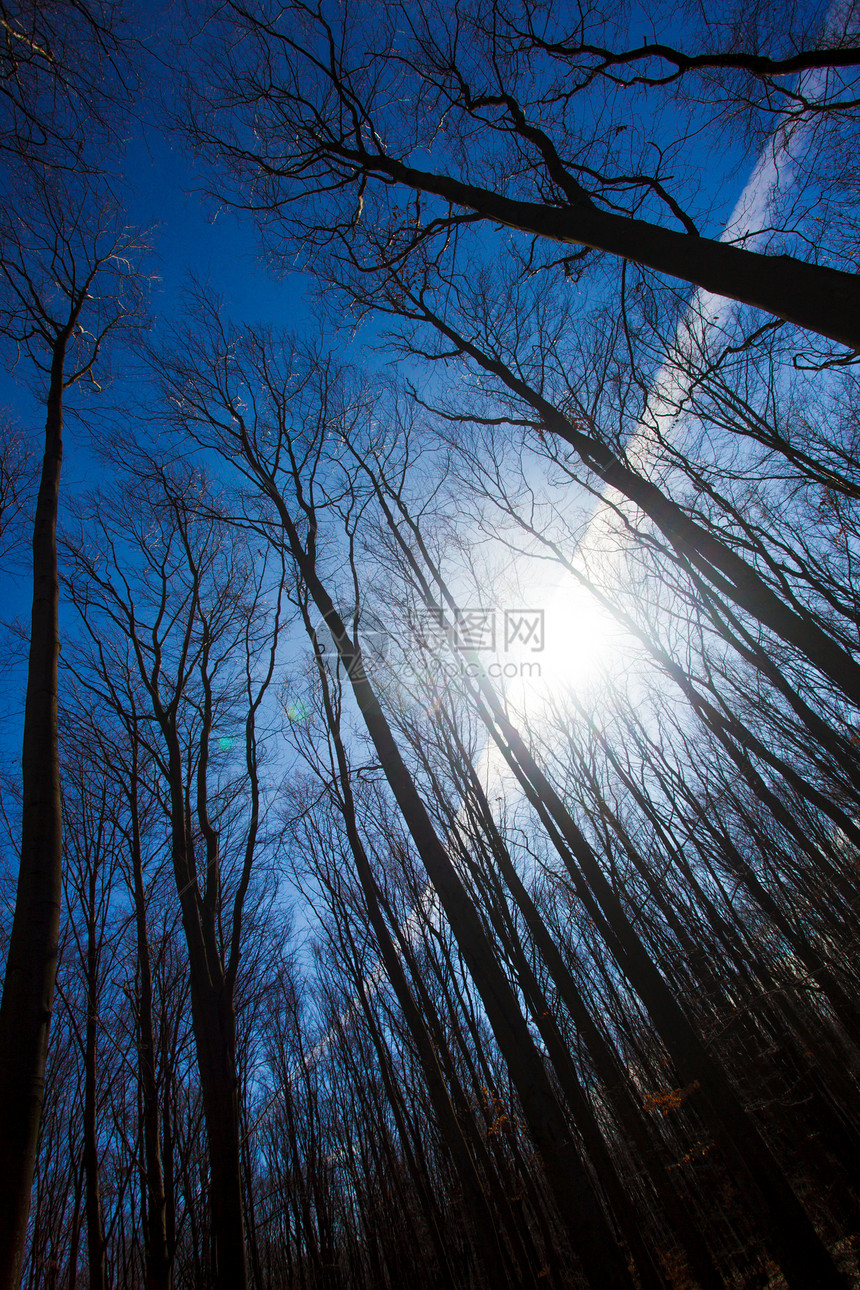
(196, 644)
(69, 282)
(67, 75)
(310, 115)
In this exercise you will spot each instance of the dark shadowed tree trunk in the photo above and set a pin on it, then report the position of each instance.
(31, 967)
(58, 250)
(489, 1251)
(319, 148)
(793, 1238)
(591, 1237)
(157, 1255)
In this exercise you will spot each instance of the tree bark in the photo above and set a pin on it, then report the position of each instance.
(605, 1064)
(31, 967)
(213, 1021)
(813, 296)
(215, 1036)
(156, 1253)
(449, 1127)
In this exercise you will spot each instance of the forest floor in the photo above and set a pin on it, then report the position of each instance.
(847, 1255)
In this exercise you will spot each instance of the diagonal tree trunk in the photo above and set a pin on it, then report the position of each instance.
(813, 296)
(449, 1126)
(584, 1220)
(793, 1238)
(791, 1235)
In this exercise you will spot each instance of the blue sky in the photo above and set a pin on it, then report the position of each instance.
(192, 237)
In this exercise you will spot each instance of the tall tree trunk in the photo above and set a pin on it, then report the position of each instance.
(446, 1117)
(95, 1223)
(157, 1256)
(605, 1063)
(584, 1220)
(215, 1037)
(31, 967)
(213, 1021)
(793, 1238)
(515, 1228)
(790, 1233)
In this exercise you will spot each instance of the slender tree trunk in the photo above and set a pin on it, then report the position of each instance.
(804, 1259)
(605, 1064)
(215, 1036)
(214, 1024)
(156, 1254)
(424, 1188)
(31, 967)
(584, 1220)
(513, 1224)
(628, 1220)
(447, 1122)
(791, 1235)
(582, 1113)
(95, 1223)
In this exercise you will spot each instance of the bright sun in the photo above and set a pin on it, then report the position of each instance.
(581, 642)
